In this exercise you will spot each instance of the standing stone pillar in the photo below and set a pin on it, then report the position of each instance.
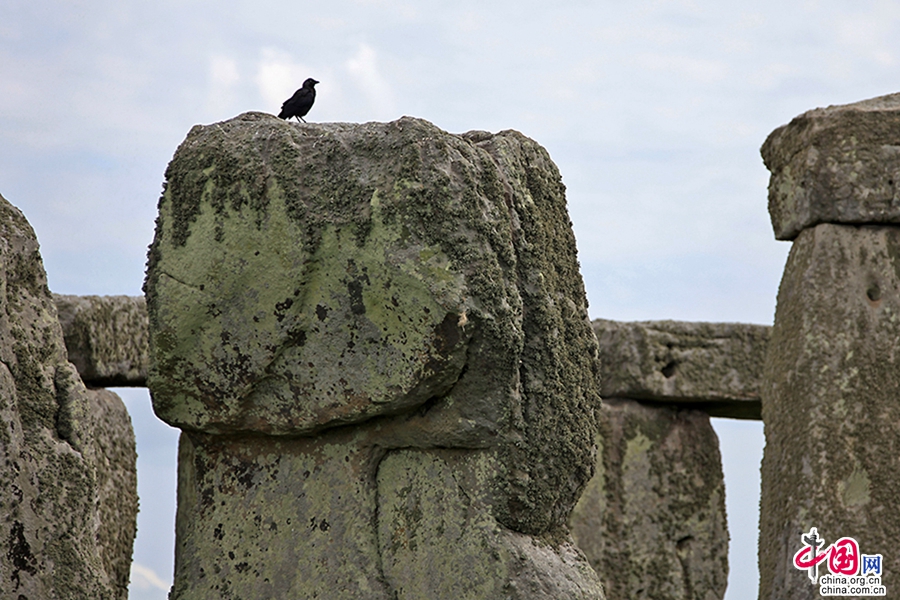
(831, 394)
(375, 340)
(68, 480)
(652, 521)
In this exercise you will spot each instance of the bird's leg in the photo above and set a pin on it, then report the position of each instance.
(302, 119)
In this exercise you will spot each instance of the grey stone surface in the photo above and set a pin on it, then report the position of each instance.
(839, 164)
(717, 366)
(714, 367)
(106, 338)
(331, 302)
(424, 557)
(68, 491)
(832, 419)
(273, 517)
(652, 520)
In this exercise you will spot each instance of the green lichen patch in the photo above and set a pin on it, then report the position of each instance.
(106, 338)
(273, 517)
(835, 165)
(256, 329)
(426, 518)
(559, 370)
(434, 508)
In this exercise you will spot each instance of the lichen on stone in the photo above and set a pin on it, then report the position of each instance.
(391, 282)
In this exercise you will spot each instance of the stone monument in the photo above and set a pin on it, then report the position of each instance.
(832, 377)
(652, 520)
(68, 487)
(375, 341)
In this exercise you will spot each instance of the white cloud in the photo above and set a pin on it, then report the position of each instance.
(752, 20)
(17, 93)
(278, 77)
(470, 22)
(736, 130)
(223, 77)
(145, 578)
(867, 35)
(223, 72)
(884, 58)
(771, 75)
(363, 68)
(403, 9)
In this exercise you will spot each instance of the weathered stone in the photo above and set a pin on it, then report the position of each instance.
(839, 164)
(106, 338)
(420, 286)
(435, 523)
(652, 520)
(714, 367)
(68, 490)
(273, 517)
(276, 517)
(832, 419)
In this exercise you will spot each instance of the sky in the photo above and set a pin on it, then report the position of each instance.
(654, 111)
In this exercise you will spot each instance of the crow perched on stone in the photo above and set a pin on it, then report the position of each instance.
(300, 103)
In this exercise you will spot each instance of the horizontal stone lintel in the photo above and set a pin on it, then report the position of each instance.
(839, 164)
(714, 367)
(106, 338)
(749, 410)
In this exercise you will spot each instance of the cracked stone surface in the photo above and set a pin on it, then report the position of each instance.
(375, 340)
(713, 367)
(831, 379)
(68, 488)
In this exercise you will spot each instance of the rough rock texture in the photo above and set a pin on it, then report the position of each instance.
(68, 489)
(832, 419)
(839, 164)
(384, 291)
(106, 338)
(714, 367)
(423, 558)
(652, 520)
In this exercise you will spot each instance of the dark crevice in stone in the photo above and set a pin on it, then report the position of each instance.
(668, 371)
(683, 549)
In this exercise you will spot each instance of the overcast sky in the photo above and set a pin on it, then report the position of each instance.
(654, 111)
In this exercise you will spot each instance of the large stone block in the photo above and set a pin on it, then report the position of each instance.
(839, 164)
(832, 419)
(714, 367)
(652, 520)
(334, 516)
(68, 490)
(106, 338)
(270, 517)
(420, 287)
(424, 557)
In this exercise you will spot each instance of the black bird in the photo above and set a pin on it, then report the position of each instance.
(300, 103)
